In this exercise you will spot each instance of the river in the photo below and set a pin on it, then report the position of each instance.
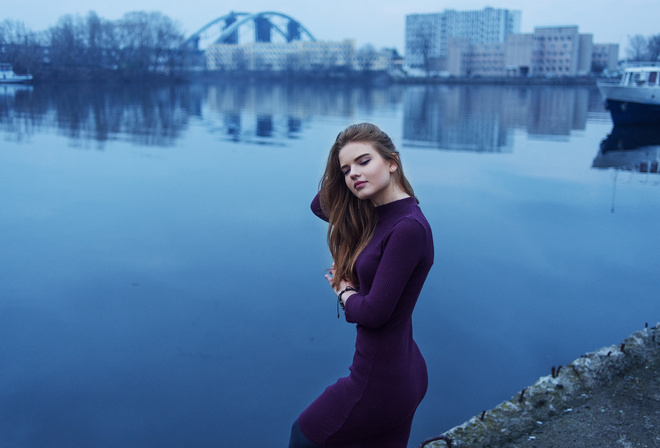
(161, 276)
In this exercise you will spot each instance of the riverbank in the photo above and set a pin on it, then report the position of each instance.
(371, 78)
(610, 397)
(505, 81)
(380, 78)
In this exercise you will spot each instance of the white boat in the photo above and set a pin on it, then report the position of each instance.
(7, 75)
(635, 99)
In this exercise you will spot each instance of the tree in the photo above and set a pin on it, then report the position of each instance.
(67, 46)
(654, 47)
(637, 48)
(148, 42)
(94, 40)
(421, 44)
(20, 47)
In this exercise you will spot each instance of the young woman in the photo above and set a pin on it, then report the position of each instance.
(382, 249)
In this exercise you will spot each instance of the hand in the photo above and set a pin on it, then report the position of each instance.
(343, 284)
(330, 276)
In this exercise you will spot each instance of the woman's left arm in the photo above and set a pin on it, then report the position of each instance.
(405, 248)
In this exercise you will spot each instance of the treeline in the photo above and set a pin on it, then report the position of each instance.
(139, 45)
(641, 48)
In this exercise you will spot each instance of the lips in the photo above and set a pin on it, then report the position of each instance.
(359, 184)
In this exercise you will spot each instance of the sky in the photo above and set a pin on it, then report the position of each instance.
(377, 22)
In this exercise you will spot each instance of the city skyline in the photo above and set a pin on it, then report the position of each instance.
(380, 23)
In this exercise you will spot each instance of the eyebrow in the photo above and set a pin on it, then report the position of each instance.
(356, 159)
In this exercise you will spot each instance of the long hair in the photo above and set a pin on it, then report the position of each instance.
(352, 221)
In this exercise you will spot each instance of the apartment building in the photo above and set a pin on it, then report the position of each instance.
(605, 57)
(429, 36)
(561, 51)
(488, 43)
(548, 52)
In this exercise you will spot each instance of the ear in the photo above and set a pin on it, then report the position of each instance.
(393, 165)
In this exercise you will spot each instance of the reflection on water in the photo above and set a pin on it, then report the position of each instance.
(12, 97)
(474, 118)
(146, 116)
(481, 118)
(634, 149)
(630, 148)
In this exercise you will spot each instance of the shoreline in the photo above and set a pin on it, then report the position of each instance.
(373, 78)
(554, 395)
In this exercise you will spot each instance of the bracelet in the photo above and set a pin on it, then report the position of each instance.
(348, 288)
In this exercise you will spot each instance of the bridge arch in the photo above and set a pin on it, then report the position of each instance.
(265, 23)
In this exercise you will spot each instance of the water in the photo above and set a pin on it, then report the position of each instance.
(161, 275)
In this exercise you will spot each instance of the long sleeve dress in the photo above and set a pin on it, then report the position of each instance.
(374, 405)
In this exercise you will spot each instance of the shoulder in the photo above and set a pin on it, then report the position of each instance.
(413, 227)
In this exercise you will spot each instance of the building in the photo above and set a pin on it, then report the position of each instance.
(518, 55)
(605, 57)
(475, 59)
(428, 35)
(561, 51)
(489, 43)
(299, 56)
(285, 56)
(548, 52)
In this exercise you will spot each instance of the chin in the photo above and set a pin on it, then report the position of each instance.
(361, 196)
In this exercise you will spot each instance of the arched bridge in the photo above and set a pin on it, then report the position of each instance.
(236, 27)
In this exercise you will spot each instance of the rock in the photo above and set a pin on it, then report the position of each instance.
(554, 395)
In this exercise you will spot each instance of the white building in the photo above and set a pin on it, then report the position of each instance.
(561, 51)
(268, 56)
(298, 56)
(548, 52)
(428, 35)
(605, 57)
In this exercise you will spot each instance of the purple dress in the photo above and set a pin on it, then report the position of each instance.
(374, 405)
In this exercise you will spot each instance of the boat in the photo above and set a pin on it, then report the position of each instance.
(635, 98)
(7, 75)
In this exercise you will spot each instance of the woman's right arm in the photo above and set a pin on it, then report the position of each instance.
(316, 208)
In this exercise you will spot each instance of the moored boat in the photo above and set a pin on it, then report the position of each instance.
(635, 99)
(7, 75)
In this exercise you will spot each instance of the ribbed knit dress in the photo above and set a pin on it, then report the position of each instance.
(374, 406)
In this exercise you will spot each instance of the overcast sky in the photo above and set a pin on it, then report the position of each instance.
(379, 22)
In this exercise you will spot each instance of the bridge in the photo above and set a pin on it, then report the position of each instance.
(243, 27)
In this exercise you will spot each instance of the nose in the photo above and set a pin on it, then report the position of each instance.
(355, 173)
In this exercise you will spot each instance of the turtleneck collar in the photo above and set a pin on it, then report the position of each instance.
(395, 207)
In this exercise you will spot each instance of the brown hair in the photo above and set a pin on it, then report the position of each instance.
(352, 221)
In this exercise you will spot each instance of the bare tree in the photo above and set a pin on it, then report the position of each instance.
(94, 41)
(654, 47)
(421, 44)
(67, 43)
(20, 47)
(637, 48)
(147, 42)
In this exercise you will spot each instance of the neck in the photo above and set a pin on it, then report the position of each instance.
(395, 194)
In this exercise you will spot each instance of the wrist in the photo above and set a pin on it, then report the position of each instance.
(340, 296)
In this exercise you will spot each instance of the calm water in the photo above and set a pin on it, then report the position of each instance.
(161, 275)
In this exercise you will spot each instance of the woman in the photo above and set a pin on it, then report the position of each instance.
(382, 249)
